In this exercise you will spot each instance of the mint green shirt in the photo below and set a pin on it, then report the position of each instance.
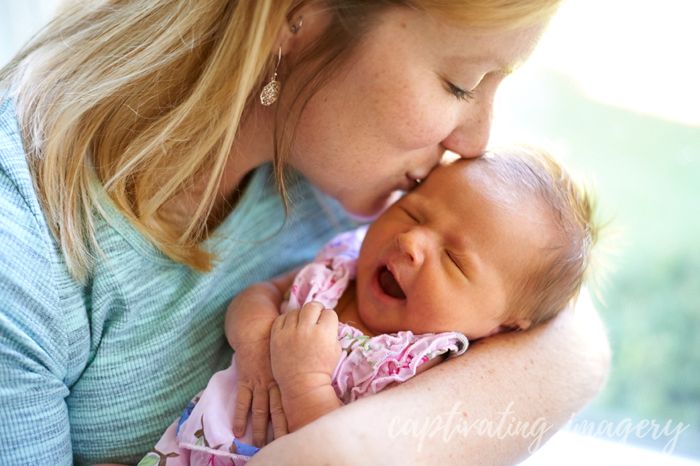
(96, 373)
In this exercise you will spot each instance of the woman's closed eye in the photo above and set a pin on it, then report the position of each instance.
(460, 93)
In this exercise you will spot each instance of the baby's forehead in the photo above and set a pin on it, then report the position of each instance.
(477, 168)
(501, 186)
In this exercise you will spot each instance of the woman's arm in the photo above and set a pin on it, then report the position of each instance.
(543, 376)
(35, 343)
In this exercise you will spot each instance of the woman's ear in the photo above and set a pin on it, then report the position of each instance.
(305, 23)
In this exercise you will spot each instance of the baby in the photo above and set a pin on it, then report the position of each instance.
(482, 246)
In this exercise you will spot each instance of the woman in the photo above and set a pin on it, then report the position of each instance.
(135, 204)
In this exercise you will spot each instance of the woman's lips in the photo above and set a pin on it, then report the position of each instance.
(407, 184)
(389, 285)
(412, 183)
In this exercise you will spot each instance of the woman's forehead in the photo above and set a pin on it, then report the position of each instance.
(462, 45)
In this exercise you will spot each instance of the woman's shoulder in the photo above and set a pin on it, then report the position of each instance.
(15, 179)
(36, 289)
(22, 224)
(40, 354)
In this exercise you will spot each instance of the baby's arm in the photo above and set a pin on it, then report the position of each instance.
(248, 322)
(422, 368)
(305, 351)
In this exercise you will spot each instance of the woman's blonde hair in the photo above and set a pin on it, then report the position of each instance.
(145, 96)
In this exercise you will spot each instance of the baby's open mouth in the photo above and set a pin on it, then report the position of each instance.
(389, 285)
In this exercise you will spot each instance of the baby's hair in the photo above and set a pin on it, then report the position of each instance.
(538, 177)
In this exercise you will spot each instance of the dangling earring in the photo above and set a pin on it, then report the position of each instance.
(269, 94)
(272, 89)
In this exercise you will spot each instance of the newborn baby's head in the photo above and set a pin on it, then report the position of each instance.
(481, 246)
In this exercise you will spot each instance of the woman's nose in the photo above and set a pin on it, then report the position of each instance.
(413, 244)
(472, 131)
(471, 136)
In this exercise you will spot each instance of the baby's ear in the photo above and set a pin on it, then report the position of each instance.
(522, 324)
(515, 325)
(510, 326)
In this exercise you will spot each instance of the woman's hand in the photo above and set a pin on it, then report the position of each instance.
(248, 324)
(305, 351)
(257, 390)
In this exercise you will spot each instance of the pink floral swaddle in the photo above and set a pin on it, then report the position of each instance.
(203, 435)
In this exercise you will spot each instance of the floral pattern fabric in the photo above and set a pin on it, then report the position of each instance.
(203, 435)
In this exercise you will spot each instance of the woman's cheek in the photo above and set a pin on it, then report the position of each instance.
(423, 125)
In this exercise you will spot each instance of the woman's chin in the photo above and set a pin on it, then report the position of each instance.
(362, 218)
(368, 212)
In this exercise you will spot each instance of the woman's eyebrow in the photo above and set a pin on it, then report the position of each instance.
(502, 66)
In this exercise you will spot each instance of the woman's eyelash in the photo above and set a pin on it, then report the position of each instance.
(460, 93)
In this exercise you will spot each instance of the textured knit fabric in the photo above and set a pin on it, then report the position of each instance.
(203, 435)
(96, 373)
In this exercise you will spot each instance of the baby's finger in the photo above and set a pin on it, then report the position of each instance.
(261, 410)
(279, 420)
(310, 313)
(240, 414)
(279, 322)
(291, 318)
(328, 318)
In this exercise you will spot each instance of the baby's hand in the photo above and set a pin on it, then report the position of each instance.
(305, 350)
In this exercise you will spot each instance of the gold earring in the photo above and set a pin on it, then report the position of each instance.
(269, 94)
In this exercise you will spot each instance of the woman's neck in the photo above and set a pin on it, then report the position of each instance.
(348, 312)
(253, 147)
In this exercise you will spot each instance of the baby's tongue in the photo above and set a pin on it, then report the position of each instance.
(388, 284)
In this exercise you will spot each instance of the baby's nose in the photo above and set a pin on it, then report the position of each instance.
(411, 243)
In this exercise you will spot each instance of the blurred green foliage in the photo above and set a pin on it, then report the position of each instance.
(647, 175)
